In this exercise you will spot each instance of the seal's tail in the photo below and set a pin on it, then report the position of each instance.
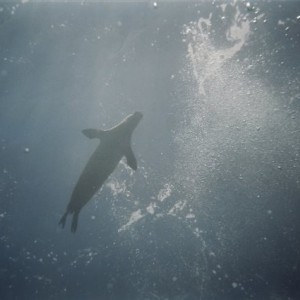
(74, 222)
(62, 221)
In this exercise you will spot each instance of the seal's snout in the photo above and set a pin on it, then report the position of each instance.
(138, 115)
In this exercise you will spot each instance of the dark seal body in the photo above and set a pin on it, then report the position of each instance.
(114, 144)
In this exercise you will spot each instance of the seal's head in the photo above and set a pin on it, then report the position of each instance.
(129, 123)
(138, 115)
(133, 120)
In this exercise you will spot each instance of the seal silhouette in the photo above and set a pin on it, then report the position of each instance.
(114, 144)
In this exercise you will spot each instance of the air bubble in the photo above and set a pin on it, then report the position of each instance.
(249, 6)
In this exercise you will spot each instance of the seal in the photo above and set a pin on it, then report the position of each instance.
(114, 144)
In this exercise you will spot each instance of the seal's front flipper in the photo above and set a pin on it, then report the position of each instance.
(131, 160)
(93, 133)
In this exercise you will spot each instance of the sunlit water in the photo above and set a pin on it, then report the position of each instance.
(236, 140)
(235, 148)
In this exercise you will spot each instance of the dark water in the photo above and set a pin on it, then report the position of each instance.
(213, 210)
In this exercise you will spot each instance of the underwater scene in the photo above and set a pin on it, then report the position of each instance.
(149, 150)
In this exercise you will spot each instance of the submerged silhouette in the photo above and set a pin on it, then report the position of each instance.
(114, 144)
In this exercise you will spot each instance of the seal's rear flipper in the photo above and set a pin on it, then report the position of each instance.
(62, 221)
(74, 222)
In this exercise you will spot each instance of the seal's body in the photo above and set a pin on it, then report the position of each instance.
(114, 144)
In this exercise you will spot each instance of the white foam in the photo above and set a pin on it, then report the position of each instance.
(135, 216)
